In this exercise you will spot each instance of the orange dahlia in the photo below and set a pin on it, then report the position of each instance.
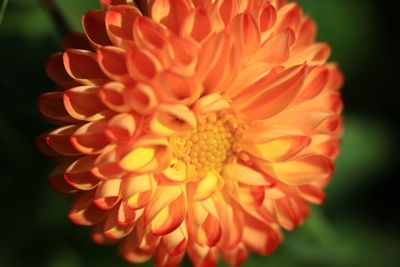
(198, 126)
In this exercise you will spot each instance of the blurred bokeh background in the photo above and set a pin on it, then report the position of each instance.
(358, 225)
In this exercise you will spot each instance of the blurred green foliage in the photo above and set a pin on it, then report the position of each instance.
(358, 224)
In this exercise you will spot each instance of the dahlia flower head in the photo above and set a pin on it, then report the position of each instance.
(198, 127)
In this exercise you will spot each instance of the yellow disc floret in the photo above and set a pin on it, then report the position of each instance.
(214, 142)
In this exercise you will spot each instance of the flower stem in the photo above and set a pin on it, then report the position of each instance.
(57, 16)
(3, 10)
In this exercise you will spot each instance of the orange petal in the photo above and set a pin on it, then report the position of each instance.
(249, 197)
(178, 89)
(236, 256)
(211, 103)
(51, 106)
(106, 166)
(311, 193)
(60, 140)
(280, 149)
(289, 16)
(266, 17)
(277, 49)
(113, 96)
(227, 10)
(84, 212)
(176, 172)
(211, 183)
(79, 175)
(260, 237)
(197, 26)
(121, 128)
(307, 33)
(82, 66)
(244, 174)
(259, 102)
(94, 26)
(112, 229)
(142, 99)
(142, 65)
(314, 84)
(119, 22)
(176, 241)
(202, 256)
(150, 35)
(149, 154)
(303, 170)
(56, 71)
(167, 209)
(127, 215)
(137, 190)
(171, 13)
(246, 34)
(110, 59)
(107, 194)
(83, 103)
(290, 213)
(172, 119)
(89, 138)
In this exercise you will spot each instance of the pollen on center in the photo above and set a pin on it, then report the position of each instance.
(215, 142)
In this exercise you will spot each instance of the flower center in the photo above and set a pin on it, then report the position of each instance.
(215, 141)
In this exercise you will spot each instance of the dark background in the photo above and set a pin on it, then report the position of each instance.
(358, 225)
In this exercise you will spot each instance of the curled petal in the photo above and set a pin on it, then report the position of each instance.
(119, 22)
(260, 237)
(127, 215)
(89, 138)
(178, 89)
(148, 155)
(137, 190)
(211, 103)
(107, 194)
(167, 209)
(206, 187)
(110, 59)
(51, 106)
(142, 99)
(150, 35)
(197, 26)
(83, 103)
(121, 128)
(56, 71)
(248, 196)
(112, 229)
(113, 95)
(60, 141)
(79, 175)
(94, 27)
(170, 13)
(171, 119)
(82, 66)
(142, 65)
(84, 212)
